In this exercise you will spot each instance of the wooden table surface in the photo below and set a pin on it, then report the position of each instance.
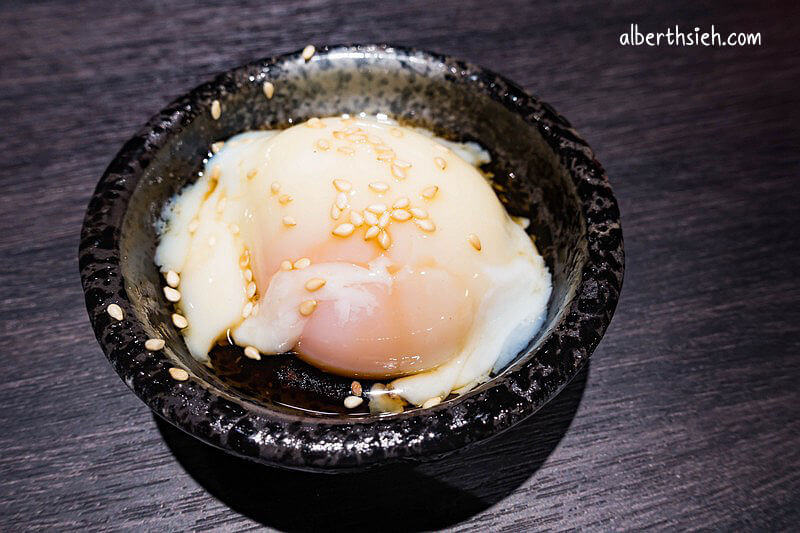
(688, 414)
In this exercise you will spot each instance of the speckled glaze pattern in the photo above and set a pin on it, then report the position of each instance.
(545, 171)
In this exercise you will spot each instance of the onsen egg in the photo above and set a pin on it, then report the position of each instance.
(369, 249)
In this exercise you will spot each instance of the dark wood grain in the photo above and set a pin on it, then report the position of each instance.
(688, 416)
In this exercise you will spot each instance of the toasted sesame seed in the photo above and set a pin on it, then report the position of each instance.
(384, 240)
(235, 229)
(474, 241)
(251, 352)
(115, 311)
(302, 263)
(370, 218)
(178, 374)
(396, 132)
(371, 232)
(247, 309)
(440, 162)
(275, 187)
(252, 173)
(314, 284)
(346, 150)
(343, 230)
(425, 225)
(173, 278)
(307, 307)
(401, 215)
(216, 110)
(248, 274)
(342, 185)
(285, 199)
(193, 225)
(251, 289)
(323, 144)
(289, 221)
(308, 52)
(356, 219)
(401, 202)
(341, 200)
(338, 134)
(355, 388)
(154, 345)
(377, 208)
(429, 192)
(173, 295)
(315, 123)
(269, 89)
(335, 212)
(430, 402)
(217, 146)
(286, 265)
(379, 186)
(398, 172)
(383, 221)
(179, 321)
(244, 260)
(221, 205)
(351, 402)
(418, 212)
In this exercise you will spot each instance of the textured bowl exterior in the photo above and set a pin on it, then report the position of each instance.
(582, 242)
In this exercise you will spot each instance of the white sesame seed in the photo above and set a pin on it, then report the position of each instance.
(383, 221)
(379, 186)
(286, 265)
(401, 202)
(356, 219)
(115, 311)
(216, 110)
(351, 402)
(221, 205)
(398, 172)
(154, 345)
(289, 221)
(356, 389)
(217, 146)
(251, 352)
(172, 295)
(385, 157)
(315, 284)
(335, 212)
(193, 225)
(418, 212)
(302, 263)
(346, 150)
(178, 374)
(269, 89)
(308, 52)
(401, 215)
(173, 278)
(358, 138)
(248, 275)
(212, 241)
(323, 144)
(474, 241)
(429, 192)
(247, 309)
(402, 164)
(179, 321)
(315, 123)
(307, 307)
(430, 402)
(342, 185)
(371, 232)
(235, 229)
(285, 199)
(251, 289)
(384, 240)
(425, 225)
(343, 230)
(341, 200)
(396, 132)
(377, 208)
(372, 139)
(370, 218)
(245, 259)
(275, 187)
(440, 162)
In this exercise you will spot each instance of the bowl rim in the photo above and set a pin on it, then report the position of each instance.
(328, 444)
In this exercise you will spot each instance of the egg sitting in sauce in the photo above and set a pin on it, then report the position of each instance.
(369, 249)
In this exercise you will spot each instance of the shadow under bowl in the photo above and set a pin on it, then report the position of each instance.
(542, 170)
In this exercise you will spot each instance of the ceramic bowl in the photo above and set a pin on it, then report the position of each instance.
(543, 171)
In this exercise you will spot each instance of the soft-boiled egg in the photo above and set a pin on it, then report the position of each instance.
(369, 249)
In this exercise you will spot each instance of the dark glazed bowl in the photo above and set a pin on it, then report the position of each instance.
(544, 171)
